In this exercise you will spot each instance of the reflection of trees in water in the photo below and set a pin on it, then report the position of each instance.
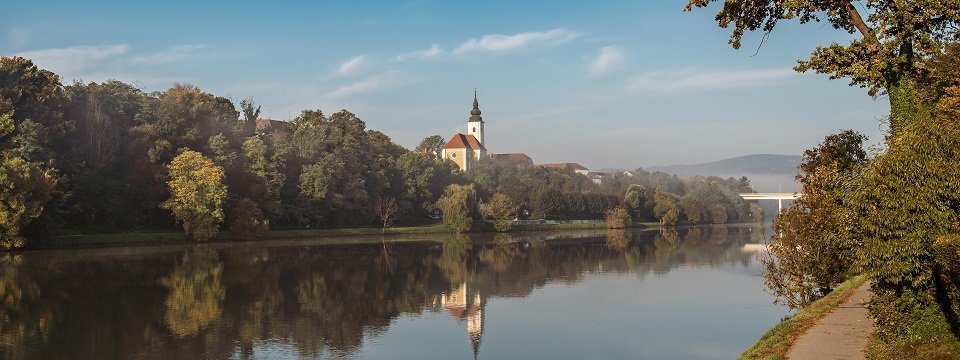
(195, 292)
(453, 260)
(323, 301)
(22, 318)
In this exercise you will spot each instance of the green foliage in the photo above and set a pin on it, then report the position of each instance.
(756, 212)
(501, 210)
(24, 189)
(946, 256)
(431, 146)
(458, 206)
(667, 208)
(813, 250)
(618, 218)
(246, 219)
(634, 198)
(197, 194)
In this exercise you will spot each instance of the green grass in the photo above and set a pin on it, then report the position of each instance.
(777, 341)
(929, 338)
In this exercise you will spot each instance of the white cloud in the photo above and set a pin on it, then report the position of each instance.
(351, 66)
(372, 83)
(70, 60)
(609, 58)
(172, 54)
(434, 51)
(690, 80)
(500, 42)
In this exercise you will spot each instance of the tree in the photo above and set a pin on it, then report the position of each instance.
(812, 250)
(24, 191)
(386, 211)
(458, 206)
(250, 116)
(432, 146)
(894, 39)
(634, 198)
(618, 218)
(667, 207)
(197, 194)
(500, 209)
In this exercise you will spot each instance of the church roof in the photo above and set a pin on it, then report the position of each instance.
(460, 141)
(475, 113)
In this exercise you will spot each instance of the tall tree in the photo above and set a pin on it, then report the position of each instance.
(432, 146)
(894, 38)
(197, 194)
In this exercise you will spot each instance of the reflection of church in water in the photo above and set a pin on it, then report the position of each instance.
(464, 303)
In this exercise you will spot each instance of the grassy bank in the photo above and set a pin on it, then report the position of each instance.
(147, 237)
(930, 338)
(777, 341)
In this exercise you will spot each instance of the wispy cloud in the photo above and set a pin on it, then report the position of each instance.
(372, 83)
(608, 59)
(434, 51)
(71, 60)
(709, 80)
(351, 66)
(169, 55)
(500, 42)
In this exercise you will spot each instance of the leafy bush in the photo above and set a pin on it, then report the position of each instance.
(946, 255)
(618, 218)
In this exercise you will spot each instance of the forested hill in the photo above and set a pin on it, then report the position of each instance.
(767, 172)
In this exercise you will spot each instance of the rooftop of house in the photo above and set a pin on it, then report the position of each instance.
(571, 166)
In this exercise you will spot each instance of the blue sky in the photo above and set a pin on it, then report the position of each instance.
(605, 84)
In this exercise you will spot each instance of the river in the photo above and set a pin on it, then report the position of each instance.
(693, 293)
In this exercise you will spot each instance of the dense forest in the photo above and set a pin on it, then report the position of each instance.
(109, 157)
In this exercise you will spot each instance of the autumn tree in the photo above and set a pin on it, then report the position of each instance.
(500, 209)
(812, 250)
(667, 208)
(197, 194)
(894, 37)
(458, 206)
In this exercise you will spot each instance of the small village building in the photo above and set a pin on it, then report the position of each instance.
(522, 160)
(577, 168)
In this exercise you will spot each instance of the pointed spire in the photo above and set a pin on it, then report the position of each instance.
(475, 113)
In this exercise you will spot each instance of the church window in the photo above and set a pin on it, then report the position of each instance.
(474, 129)
(454, 155)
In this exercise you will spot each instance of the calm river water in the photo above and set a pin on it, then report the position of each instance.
(681, 294)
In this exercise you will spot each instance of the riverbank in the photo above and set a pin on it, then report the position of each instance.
(778, 341)
(153, 238)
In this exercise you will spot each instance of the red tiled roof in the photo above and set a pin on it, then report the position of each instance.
(572, 166)
(264, 124)
(518, 157)
(460, 141)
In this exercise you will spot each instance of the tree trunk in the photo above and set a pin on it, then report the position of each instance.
(906, 108)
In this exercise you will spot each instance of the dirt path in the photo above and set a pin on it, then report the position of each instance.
(843, 334)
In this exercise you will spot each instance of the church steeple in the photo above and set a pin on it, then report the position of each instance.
(475, 124)
(475, 113)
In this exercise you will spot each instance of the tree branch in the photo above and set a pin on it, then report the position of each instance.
(858, 23)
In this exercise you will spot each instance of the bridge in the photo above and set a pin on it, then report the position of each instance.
(780, 197)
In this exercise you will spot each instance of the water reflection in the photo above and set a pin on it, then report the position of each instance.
(237, 301)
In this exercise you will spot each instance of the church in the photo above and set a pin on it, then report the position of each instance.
(466, 150)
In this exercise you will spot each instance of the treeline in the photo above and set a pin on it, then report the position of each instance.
(110, 157)
(657, 196)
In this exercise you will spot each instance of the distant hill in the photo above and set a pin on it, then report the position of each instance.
(767, 172)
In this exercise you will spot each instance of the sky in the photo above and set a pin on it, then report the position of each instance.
(611, 84)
